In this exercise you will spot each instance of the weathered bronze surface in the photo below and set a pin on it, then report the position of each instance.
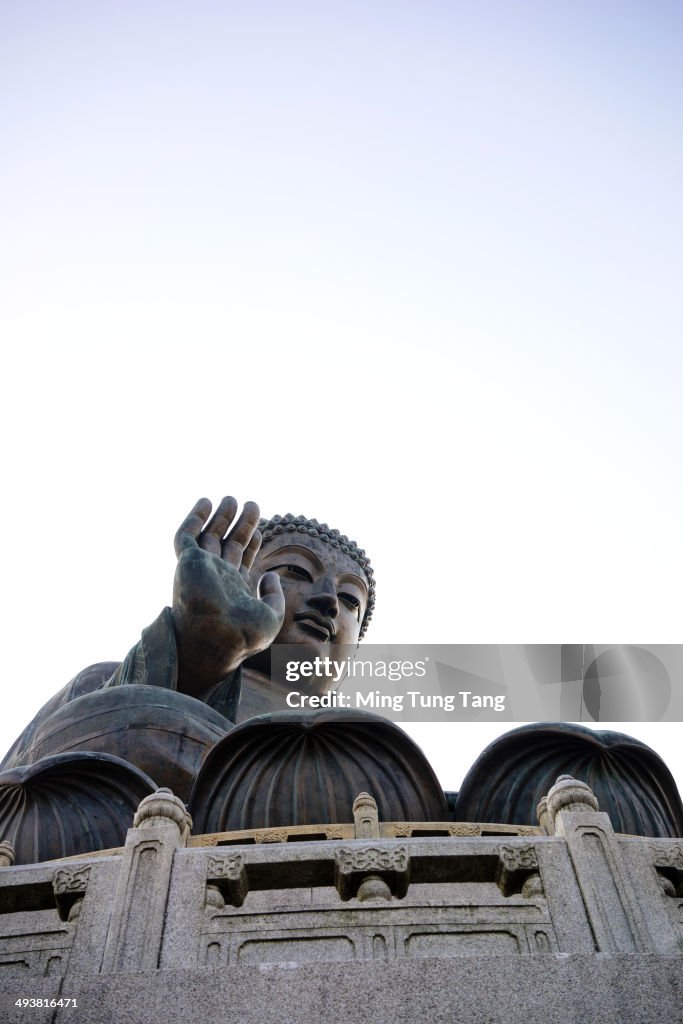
(163, 733)
(297, 769)
(69, 804)
(631, 782)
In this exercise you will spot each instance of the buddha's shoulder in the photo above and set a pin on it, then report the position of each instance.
(88, 680)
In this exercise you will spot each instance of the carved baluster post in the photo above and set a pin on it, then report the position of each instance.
(608, 894)
(161, 825)
(6, 854)
(365, 817)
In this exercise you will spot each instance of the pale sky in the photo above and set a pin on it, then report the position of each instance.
(414, 270)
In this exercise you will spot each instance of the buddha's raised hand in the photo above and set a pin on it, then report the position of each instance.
(217, 618)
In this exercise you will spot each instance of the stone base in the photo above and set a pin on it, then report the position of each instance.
(584, 989)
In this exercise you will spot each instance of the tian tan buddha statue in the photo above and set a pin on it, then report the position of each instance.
(197, 706)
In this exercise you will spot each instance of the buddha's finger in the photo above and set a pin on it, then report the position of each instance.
(191, 526)
(212, 535)
(238, 539)
(251, 550)
(270, 592)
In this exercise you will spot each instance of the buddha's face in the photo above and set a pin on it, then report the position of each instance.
(326, 592)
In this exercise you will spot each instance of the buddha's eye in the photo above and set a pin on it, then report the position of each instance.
(296, 571)
(351, 602)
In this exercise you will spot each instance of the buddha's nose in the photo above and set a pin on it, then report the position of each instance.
(323, 597)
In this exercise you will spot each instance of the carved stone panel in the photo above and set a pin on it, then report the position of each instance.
(515, 866)
(69, 885)
(354, 865)
(228, 873)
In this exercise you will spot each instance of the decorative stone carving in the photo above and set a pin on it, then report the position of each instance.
(464, 828)
(70, 880)
(75, 911)
(274, 835)
(402, 831)
(372, 858)
(230, 873)
(569, 794)
(6, 854)
(214, 900)
(354, 866)
(161, 808)
(69, 885)
(161, 826)
(667, 886)
(230, 866)
(533, 887)
(668, 861)
(670, 856)
(515, 865)
(518, 858)
(605, 876)
(543, 816)
(365, 817)
(373, 887)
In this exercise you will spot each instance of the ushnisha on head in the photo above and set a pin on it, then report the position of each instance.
(283, 531)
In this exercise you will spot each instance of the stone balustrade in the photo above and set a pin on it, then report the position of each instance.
(165, 906)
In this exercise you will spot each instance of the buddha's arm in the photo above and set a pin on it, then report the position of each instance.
(154, 661)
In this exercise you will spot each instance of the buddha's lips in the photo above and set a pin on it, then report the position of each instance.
(316, 623)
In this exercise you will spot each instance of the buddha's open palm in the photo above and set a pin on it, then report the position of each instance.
(218, 619)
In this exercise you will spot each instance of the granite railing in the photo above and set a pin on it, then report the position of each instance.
(350, 892)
